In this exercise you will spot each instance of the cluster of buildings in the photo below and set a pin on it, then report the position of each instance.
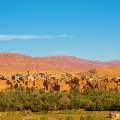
(27, 76)
(64, 81)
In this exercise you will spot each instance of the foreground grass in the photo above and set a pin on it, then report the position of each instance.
(60, 115)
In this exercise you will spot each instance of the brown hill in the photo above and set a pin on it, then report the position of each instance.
(14, 61)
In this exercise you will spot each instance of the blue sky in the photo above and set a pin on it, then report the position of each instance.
(88, 29)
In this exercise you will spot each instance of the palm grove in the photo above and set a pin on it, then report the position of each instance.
(38, 100)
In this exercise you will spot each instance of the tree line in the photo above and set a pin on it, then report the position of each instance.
(38, 100)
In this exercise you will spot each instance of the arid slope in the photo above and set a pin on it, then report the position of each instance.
(14, 61)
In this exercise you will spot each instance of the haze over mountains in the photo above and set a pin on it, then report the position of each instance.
(14, 61)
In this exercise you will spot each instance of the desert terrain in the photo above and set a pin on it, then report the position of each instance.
(58, 87)
(57, 70)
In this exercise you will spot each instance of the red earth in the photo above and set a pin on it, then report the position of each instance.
(14, 61)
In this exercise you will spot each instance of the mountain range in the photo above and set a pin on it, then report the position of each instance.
(15, 61)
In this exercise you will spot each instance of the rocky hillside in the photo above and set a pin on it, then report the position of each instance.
(14, 61)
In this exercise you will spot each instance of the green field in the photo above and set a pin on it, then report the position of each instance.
(61, 115)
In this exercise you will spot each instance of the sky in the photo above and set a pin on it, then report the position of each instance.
(89, 29)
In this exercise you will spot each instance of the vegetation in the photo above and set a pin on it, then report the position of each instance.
(58, 115)
(37, 101)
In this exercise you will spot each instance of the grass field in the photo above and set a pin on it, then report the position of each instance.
(62, 115)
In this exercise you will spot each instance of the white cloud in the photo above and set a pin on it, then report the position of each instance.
(29, 37)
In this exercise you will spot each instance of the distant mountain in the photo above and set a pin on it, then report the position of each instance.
(14, 61)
